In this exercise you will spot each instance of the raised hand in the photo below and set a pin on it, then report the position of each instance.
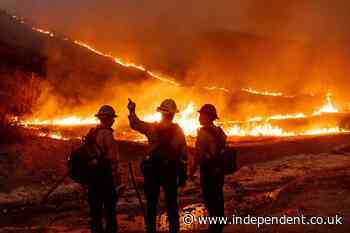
(131, 105)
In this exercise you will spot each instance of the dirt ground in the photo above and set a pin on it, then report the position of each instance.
(277, 177)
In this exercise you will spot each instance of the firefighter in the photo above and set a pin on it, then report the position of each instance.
(166, 164)
(210, 140)
(102, 196)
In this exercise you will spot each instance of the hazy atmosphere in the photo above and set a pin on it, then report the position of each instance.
(145, 116)
(236, 43)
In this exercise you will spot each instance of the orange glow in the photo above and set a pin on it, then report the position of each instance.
(267, 93)
(156, 117)
(217, 88)
(328, 107)
(115, 59)
(288, 116)
(325, 131)
(43, 31)
(278, 117)
(68, 121)
(57, 136)
(258, 118)
(188, 117)
(267, 129)
(188, 121)
(121, 62)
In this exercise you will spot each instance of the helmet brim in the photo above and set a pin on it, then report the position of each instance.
(106, 115)
(162, 110)
(201, 112)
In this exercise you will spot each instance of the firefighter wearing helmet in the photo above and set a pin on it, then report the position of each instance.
(168, 106)
(102, 196)
(106, 111)
(165, 165)
(210, 140)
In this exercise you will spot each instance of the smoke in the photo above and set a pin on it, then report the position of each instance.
(294, 47)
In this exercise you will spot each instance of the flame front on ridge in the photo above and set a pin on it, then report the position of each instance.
(188, 118)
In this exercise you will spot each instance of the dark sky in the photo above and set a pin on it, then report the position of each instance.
(300, 19)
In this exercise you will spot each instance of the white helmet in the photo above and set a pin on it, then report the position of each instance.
(106, 110)
(168, 106)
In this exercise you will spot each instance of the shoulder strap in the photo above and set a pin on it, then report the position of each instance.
(218, 138)
(91, 138)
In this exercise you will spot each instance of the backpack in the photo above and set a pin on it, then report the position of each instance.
(78, 163)
(164, 159)
(225, 159)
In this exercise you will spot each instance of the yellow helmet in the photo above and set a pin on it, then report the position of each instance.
(106, 110)
(168, 106)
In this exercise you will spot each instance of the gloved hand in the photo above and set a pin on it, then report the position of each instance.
(131, 105)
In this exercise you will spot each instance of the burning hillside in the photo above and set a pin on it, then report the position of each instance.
(318, 116)
(325, 120)
(279, 94)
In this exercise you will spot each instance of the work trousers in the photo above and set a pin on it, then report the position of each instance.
(102, 199)
(213, 196)
(152, 186)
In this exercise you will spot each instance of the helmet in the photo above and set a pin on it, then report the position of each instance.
(209, 110)
(168, 106)
(106, 110)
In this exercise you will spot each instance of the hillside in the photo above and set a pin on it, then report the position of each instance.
(67, 69)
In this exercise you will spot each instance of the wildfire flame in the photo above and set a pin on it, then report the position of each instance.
(68, 121)
(43, 31)
(217, 89)
(278, 117)
(125, 64)
(266, 93)
(57, 136)
(188, 118)
(283, 117)
(328, 107)
(115, 59)
(267, 129)
(188, 121)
